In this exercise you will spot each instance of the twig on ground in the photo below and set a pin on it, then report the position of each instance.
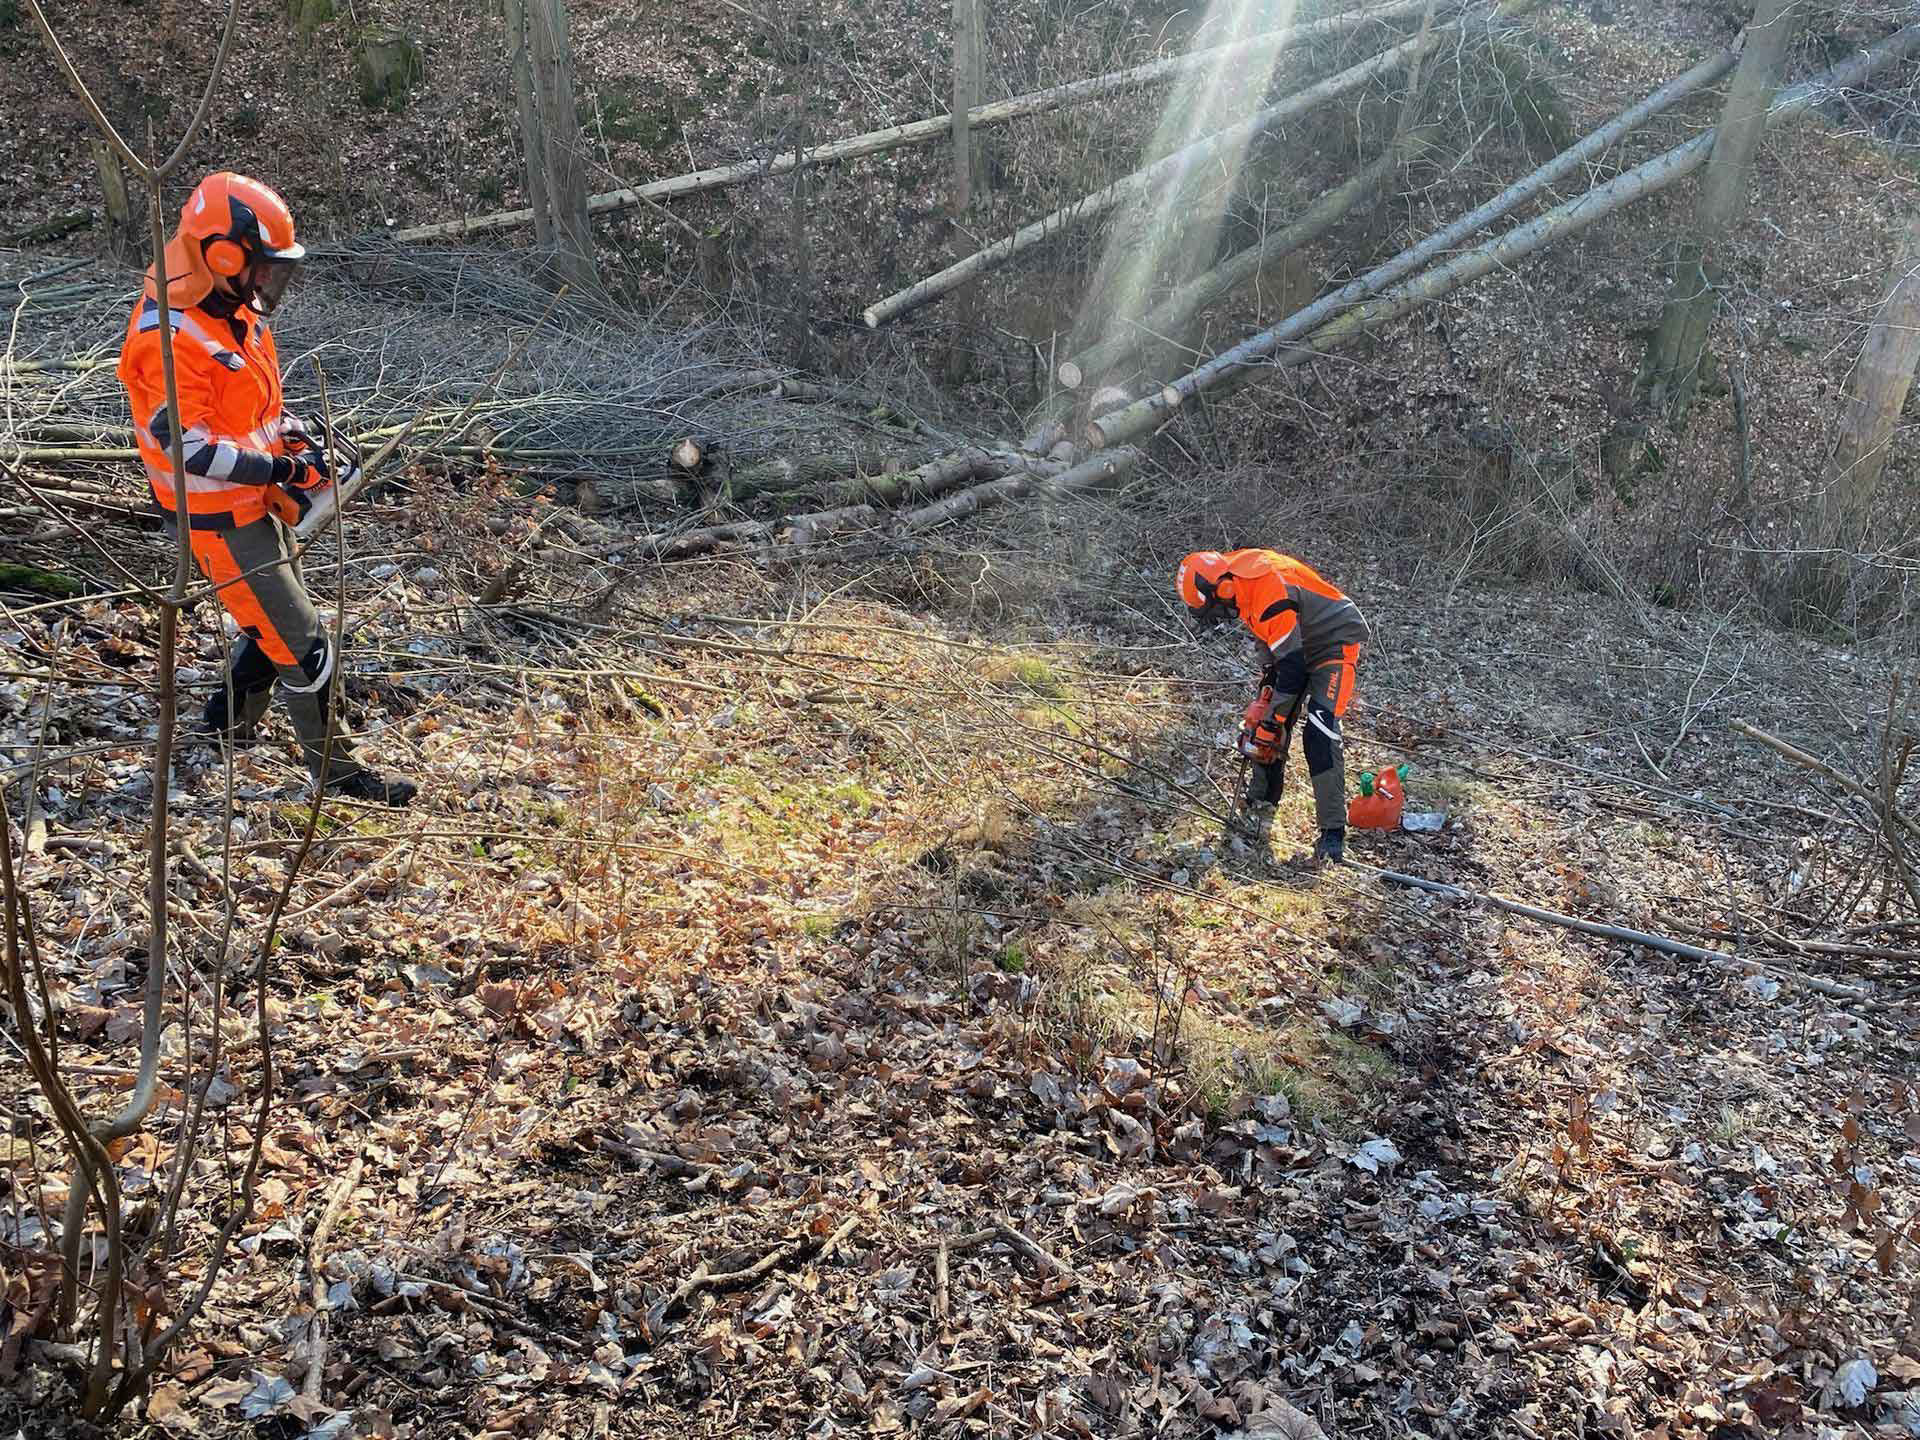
(704, 1278)
(316, 1260)
(1039, 1254)
(1662, 943)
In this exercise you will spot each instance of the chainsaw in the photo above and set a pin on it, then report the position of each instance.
(328, 499)
(1262, 744)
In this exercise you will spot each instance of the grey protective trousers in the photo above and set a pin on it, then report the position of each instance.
(284, 644)
(1329, 687)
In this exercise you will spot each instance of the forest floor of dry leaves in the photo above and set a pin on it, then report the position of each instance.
(814, 997)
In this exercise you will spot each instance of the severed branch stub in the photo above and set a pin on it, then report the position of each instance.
(687, 456)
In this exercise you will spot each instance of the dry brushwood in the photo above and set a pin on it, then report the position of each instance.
(591, 396)
(1891, 832)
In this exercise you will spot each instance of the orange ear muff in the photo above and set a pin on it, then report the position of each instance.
(224, 258)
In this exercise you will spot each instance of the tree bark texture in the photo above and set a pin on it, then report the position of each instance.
(122, 234)
(533, 141)
(1876, 397)
(566, 162)
(1670, 379)
(541, 50)
(966, 95)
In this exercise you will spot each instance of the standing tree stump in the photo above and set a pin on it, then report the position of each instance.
(390, 64)
(309, 15)
(123, 235)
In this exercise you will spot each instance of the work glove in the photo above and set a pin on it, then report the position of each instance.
(304, 471)
(314, 444)
(1263, 731)
(297, 480)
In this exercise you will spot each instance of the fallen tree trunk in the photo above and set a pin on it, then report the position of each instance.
(1090, 474)
(860, 496)
(1407, 262)
(1644, 938)
(933, 478)
(1271, 348)
(781, 475)
(918, 132)
(1146, 181)
(9, 367)
(1404, 264)
(1179, 307)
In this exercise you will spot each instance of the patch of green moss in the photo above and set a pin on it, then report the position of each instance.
(626, 117)
(1027, 670)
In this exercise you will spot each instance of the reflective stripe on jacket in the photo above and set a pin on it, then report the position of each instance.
(228, 375)
(1290, 606)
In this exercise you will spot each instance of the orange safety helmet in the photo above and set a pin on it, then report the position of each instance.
(235, 236)
(1201, 576)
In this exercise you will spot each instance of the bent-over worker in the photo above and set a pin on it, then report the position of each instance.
(252, 467)
(1311, 634)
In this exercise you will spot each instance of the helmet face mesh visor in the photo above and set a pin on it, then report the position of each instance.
(268, 281)
(1209, 614)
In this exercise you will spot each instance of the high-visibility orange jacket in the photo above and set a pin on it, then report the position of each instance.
(228, 375)
(1290, 607)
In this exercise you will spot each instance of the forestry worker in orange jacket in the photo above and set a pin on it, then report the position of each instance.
(1312, 634)
(252, 468)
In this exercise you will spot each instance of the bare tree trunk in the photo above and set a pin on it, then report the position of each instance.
(533, 141)
(537, 42)
(966, 95)
(1877, 396)
(800, 235)
(1671, 376)
(566, 168)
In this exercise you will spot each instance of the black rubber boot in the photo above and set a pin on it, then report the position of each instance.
(1331, 849)
(374, 788)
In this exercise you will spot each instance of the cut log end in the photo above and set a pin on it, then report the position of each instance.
(687, 456)
(872, 317)
(1070, 375)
